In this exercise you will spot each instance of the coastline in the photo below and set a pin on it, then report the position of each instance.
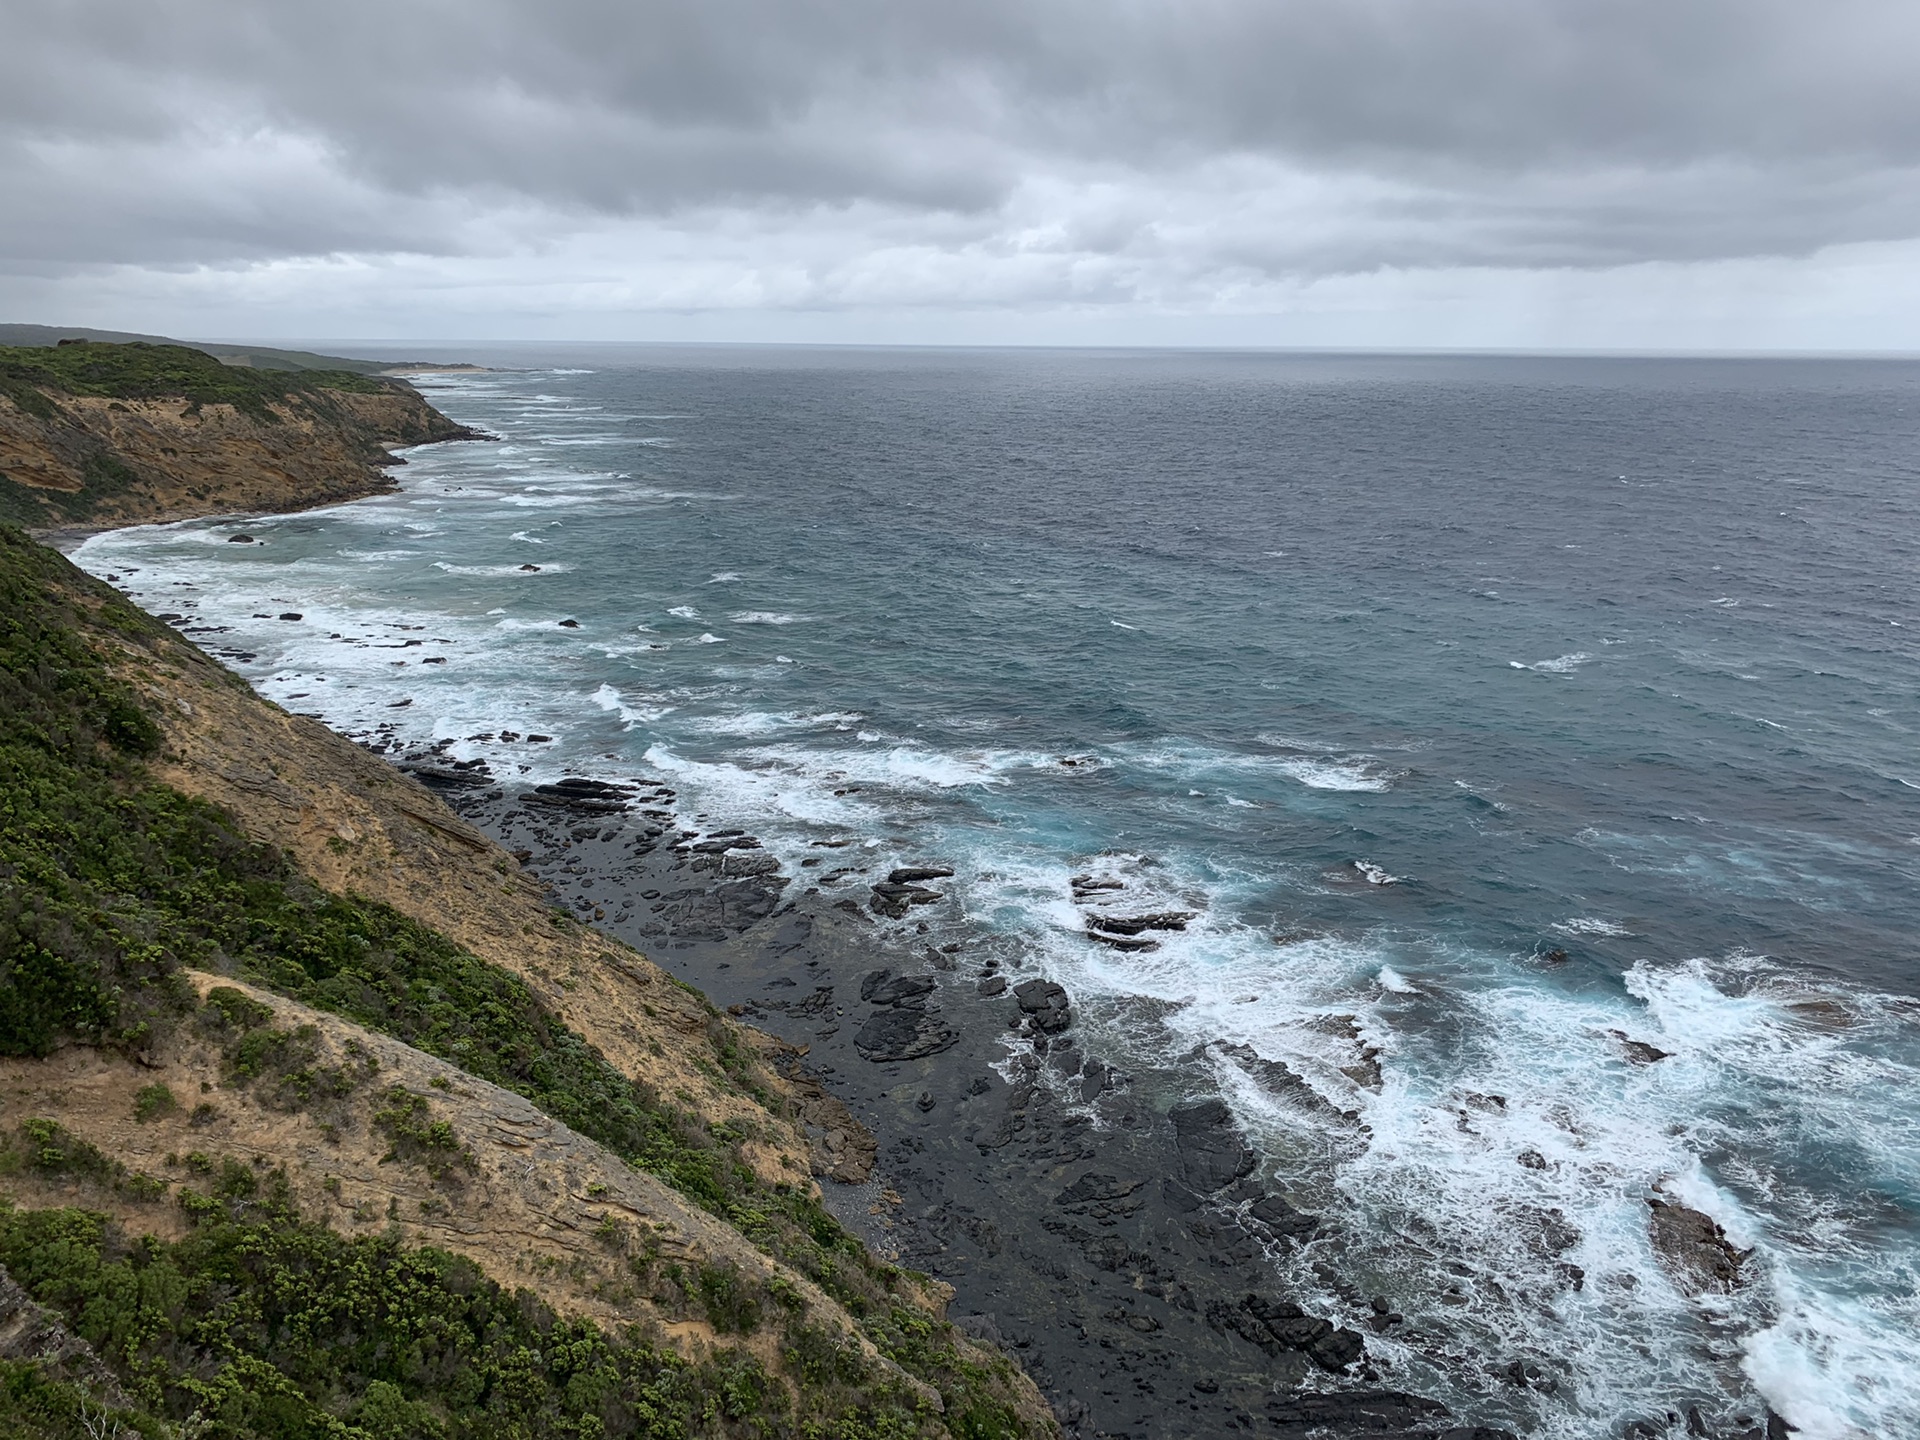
(1046, 1255)
(1099, 1227)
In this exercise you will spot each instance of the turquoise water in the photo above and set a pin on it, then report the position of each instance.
(1488, 713)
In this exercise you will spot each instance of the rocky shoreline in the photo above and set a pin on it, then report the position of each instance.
(1110, 1230)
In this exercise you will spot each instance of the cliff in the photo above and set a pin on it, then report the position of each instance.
(94, 434)
(316, 1120)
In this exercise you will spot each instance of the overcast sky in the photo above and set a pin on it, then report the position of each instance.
(1579, 173)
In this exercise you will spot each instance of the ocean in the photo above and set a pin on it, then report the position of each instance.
(1501, 723)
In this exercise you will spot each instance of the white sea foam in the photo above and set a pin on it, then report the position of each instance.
(501, 572)
(707, 637)
(609, 699)
(1356, 775)
(1590, 925)
(1328, 771)
(764, 617)
(685, 612)
(1561, 665)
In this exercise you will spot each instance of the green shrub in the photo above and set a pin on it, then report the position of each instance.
(267, 1327)
(730, 1304)
(150, 1102)
(140, 371)
(416, 1138)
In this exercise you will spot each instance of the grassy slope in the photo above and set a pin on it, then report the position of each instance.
(113, 884)
(264, 357)
(146, 372)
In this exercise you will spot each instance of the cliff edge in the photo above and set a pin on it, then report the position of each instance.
(100, 435)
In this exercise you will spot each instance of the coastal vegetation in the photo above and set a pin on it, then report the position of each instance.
(140, 431)
(34, 377)
(261, 1322)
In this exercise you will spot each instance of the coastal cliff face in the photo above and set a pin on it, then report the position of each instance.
(315, 1119)
(124, 434)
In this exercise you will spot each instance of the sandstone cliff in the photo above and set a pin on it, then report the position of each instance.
(143, 433)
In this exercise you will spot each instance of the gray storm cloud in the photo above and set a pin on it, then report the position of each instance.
(1165, 142)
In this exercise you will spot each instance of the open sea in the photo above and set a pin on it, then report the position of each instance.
(1517, 714)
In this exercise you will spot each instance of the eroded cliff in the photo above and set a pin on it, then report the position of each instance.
(120, 434)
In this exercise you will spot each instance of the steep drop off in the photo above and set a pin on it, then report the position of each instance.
(287, 1160)
(95, 434)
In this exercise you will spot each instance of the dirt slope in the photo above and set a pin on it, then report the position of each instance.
(355, 824)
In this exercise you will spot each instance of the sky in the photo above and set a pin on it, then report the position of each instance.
(1563, 174)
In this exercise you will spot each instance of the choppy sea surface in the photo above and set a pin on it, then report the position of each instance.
(1519, 709)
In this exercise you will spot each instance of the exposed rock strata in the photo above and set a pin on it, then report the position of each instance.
(98, 461)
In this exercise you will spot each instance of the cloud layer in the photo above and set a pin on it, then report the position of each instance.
(688, 155)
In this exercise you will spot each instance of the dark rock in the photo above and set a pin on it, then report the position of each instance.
(1363, 1410)
(1638, 1051)
(883, 987)
(892, 900)
(1279, 1080)
(1281, 1218)
(925, 1102)
(1094, 1079)
(1178, 1198)
(1696, 1249)
(903, 1035)
(569, 624)
(292, 615)
(240, 539)
(1123, 942)
(454, 778)
(1091, 1187)
(1212, 1153)
(1046, 1002)
(1279, 1325)
(913, 874)
(994, 985)
(1134, 924)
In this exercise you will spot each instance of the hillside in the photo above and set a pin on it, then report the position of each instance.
(261, 357)
(97, 434)
(282, 1158)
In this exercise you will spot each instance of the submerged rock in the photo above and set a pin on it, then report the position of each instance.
(1212, 1153)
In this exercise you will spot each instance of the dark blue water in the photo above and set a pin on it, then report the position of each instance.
(1489, 713)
